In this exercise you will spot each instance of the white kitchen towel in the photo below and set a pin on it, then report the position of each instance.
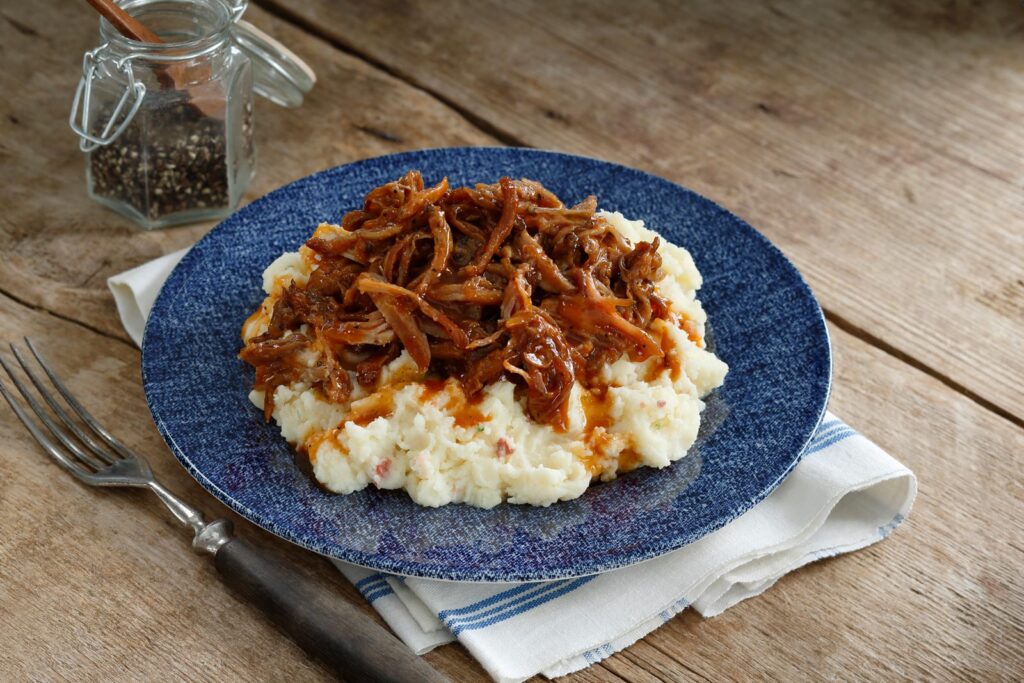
(135, 291)
(846, 493)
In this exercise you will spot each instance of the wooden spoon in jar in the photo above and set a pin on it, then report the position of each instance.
(173, 76)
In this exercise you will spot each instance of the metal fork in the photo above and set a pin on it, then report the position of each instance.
(321, 621)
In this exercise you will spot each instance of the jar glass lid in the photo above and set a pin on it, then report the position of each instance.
(278, 74)
(201, 26)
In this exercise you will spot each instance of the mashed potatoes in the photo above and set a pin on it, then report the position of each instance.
(424, 436)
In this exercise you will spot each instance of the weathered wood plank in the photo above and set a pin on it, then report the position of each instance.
(922, 605)
(943, 597)
(849, 135)
(59, 247)
(103, 585)
(881, 43)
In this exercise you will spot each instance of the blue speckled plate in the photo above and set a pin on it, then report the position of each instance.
(767, 327)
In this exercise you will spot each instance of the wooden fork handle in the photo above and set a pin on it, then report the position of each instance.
(126, 24)
(323, 623)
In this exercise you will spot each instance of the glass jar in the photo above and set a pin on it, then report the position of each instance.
(167, 128)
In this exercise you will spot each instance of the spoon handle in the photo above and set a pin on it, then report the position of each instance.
(126, 24)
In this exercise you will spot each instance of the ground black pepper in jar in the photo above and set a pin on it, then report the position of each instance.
(180, 165)
(166, 150)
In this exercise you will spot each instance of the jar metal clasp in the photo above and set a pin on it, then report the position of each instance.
(125, 109)
(238, 8)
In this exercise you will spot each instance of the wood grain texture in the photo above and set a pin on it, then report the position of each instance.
(866, 140)
(874, 142)
(102, 585)
(328, 627)
(59, 247)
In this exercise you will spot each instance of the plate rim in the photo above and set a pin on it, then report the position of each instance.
(441, 573)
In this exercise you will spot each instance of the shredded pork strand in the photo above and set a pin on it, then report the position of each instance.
(483, 283)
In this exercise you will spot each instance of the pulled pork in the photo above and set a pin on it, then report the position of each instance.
(477, 283)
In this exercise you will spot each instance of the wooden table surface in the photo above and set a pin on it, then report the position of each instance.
(878, 144)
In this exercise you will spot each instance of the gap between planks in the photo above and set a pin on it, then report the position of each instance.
(287, 15)
(60, 316)
(884, 346)
(507, 138)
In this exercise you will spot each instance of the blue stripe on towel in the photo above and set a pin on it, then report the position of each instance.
(375, 595)
(828, 424)
(534, 591)
(519, 607)
(834, 438)
(673, 609)
(885, 530)
(497, 597)
(374, 587)
(823, 434)
(598, 653)
(372, 578)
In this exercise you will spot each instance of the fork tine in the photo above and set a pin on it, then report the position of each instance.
(59, 411)
(48, 423)
(88, 419)
(62, 459)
